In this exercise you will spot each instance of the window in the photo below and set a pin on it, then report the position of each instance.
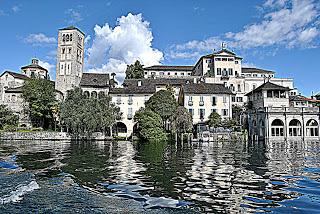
(213, 110)
(191, 111)
(208, 61)
(189, 74)
(213, 100)
(231, 87)
(230, 71)
(67, 37)
(224, 112)
(63, 50)
(254, 86)
(230, 59)
(224, 59)
(129, 113)
(182, 74)
(161, 73)
(218, 59)
(239, 88)
(94, 94)
(130, 99)
(239, 99)
(255, 75)
(224, 99)
(277, 128)
(201, 113)
(190, 98)
(218, 71)
(118, 99)
(176, 74)
(168, 73)
(312, 128)
(236, 73)
(13, 98)
(269, 94)
(69, 50)
(70, 37)
(224, 72)
(63, 38)
(201, 98)
(294, 128)
(146, 72)
(236, 62)
(233, 99)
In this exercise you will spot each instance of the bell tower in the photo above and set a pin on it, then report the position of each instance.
(70, 59)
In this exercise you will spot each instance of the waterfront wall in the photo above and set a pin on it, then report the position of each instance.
(45, 136)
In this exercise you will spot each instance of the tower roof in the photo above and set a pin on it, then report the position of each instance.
(72, 28)
(268, 86)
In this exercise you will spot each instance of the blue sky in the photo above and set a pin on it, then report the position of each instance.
(280, 35)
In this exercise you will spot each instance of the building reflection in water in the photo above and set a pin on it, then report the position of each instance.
(214, 177)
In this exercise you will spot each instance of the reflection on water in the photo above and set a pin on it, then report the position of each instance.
(207, 177)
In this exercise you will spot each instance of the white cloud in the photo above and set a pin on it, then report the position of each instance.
(75, 16)
(16, 8)
(48, 66)
(288, 24)
(113, 48)
(2, 13)
(39, 39)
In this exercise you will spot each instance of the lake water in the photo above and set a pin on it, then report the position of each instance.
(126, 177)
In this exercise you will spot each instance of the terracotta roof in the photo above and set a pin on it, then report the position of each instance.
(170, 68)
(206, 88)
(148, 86)
(95, 80)
(34, 66)
(269, 86)
(72, 28)
(16, 75)
(256, 70)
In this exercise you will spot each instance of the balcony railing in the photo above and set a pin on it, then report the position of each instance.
(224, 77)
(190, 102)
(201, 103)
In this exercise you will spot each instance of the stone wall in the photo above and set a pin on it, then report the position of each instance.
(45, 136)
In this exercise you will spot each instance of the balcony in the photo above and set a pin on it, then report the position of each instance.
(224, 77)
(129, 116)
(190, 102)
(201, 103)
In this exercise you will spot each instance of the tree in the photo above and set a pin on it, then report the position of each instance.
(135, 71)
(84, 115)
(164, 103)
(214, 119)
(150, 125)
(40, 97)
(7, 117)
(182, 121)
(229, 123)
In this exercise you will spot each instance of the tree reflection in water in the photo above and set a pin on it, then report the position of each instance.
(215, 177)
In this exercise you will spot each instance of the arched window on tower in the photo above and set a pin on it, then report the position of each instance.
(70, 37)
(67, 37)
(63, 37)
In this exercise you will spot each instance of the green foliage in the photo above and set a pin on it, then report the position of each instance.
(135, 71)
(214, 119)
(164, 103)
(7, 117)
(83, 115)
(229, 123)
(150, 125)
(182, 120)
(40, 96)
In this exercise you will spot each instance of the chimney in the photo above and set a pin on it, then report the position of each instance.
(139, 83)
